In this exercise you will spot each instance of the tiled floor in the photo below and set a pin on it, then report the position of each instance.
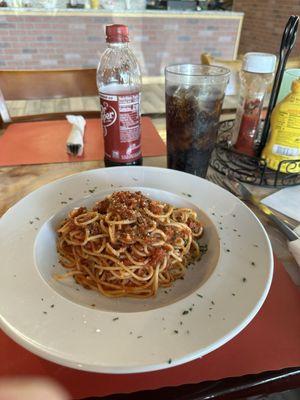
(152, 101)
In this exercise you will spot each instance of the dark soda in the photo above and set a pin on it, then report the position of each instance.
(192, 116)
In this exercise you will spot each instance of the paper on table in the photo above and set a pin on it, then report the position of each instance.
(286, 201)
(294, 248)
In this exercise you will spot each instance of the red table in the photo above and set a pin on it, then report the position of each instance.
(269, 343)
(268, 350)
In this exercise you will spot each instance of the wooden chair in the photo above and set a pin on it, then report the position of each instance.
(293, 62)
(233, 65)
(52, 84)
(236, 65)
(45, 84)
(208, 59)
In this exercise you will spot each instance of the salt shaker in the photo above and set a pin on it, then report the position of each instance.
(256, 76)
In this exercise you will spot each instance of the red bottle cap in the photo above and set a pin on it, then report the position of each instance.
(117, 33)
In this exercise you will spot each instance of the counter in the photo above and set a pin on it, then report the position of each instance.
(63, 38)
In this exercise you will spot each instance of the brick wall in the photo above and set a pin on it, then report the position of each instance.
(264, 22)
(58, 41)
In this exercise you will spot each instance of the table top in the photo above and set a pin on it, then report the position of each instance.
(18, 181)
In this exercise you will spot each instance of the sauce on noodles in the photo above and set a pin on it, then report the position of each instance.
(128, 244)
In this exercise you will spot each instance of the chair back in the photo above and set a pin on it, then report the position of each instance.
(44, 84)
(234, 66)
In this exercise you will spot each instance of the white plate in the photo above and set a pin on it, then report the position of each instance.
(64, 323)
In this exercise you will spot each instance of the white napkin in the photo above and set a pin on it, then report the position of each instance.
(294, 246)
(286, 201)
(77, 132)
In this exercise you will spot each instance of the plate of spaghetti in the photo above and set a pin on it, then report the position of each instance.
(128, 244)
(138, 269)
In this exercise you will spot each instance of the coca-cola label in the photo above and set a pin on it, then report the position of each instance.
(120, 114)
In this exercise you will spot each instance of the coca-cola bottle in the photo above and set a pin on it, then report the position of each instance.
(119, 85)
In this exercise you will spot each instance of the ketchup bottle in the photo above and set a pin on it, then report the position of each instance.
(119, 85)
(255, 78)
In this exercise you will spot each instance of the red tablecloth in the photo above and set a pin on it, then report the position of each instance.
(270, 342)
(45, 142)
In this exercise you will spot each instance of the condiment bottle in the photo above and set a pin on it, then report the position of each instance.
(255, 77)
(119, 85)
(284, 139)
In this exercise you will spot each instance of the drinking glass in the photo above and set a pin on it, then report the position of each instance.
(194, 97)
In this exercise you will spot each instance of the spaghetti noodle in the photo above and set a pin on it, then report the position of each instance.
(128, 244)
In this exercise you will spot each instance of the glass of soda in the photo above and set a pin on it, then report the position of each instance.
(194, 97)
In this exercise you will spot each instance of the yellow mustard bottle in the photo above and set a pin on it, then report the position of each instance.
(284, 141)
